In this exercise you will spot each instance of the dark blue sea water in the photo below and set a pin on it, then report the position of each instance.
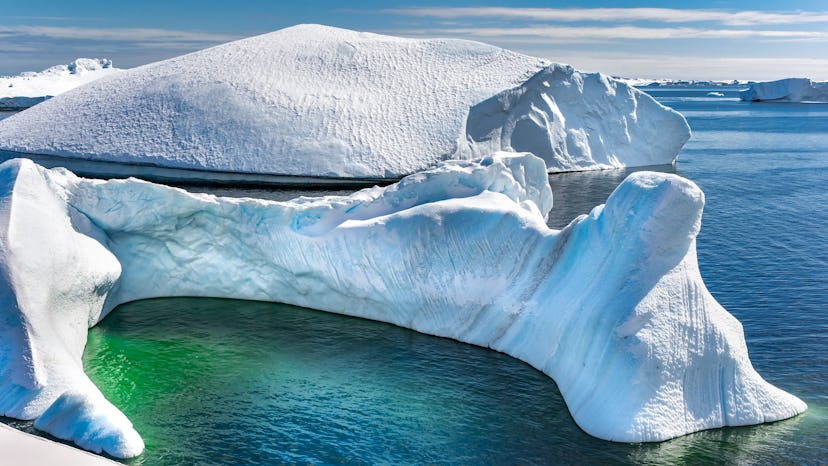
(211, 381)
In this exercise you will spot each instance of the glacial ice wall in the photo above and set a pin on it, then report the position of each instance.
(612, 307)
(320, 101)
(787, 90)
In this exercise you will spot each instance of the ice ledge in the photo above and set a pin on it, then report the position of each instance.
(612, 307)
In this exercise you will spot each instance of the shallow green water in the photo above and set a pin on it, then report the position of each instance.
(212, 381)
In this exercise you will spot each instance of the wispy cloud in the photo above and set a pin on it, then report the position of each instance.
(694, 67)
(665, 15)
(51, 18)
(591, 34)
(142, 35)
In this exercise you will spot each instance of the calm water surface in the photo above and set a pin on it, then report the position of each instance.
(210, 381)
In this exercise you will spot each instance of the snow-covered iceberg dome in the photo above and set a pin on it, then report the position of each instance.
(612, 307)
(320, 101)
(30, 88)
(787, 90)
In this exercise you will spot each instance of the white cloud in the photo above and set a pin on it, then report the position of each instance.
(570, 34)
(667, 15)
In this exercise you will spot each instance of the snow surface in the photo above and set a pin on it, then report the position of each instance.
(319, 101)
(30, 88)
(612, 307)
(787, 90)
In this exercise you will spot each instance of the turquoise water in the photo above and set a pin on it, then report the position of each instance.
(211, 381)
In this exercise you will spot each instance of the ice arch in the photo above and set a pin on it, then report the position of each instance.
(612, 307)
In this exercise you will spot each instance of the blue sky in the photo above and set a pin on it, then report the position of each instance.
(759, 40)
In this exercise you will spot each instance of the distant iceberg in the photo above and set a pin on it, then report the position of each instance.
(787, 90)
(319, 101)
(647, 82)
(612, 307)
(30, 88)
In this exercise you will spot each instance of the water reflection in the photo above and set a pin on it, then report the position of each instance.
(577, 193)
(774, 443)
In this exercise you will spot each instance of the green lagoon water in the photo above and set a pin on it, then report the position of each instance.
(211, 381)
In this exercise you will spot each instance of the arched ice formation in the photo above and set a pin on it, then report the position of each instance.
(612, 307)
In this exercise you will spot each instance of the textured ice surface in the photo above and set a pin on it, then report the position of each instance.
(576, 121)
(328, 102)
(787, 90)
(28, 89)
(612, 307)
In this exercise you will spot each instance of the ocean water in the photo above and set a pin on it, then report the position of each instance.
(210, 381)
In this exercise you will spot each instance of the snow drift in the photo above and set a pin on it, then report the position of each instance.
(787, 90)
(612, 307)
(30, 88)
(319, 101)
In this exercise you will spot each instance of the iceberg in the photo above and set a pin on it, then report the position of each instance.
(649, 82)
(30, 88)
(612, 307)
(319, 101)
(787, 90)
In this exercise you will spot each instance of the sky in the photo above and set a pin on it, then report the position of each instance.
(715, 39)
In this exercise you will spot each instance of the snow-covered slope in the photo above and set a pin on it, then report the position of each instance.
(612, 307)
(787, 90)
(328, 102)
(28, 89)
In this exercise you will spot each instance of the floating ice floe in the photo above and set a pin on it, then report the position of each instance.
(787, 90)
(30, 88)
(612, 307)
(319, 101)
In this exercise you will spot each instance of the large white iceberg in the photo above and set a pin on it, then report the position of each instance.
(27, 89)
(320, 101)
(612, 307)
(787, 90)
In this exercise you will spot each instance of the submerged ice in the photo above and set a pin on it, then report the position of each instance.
(612, 307)
(319, 101)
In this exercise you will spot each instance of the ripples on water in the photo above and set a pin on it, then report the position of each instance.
(211, 381)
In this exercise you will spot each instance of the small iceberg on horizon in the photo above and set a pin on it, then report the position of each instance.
(30, 88)
(612, 307)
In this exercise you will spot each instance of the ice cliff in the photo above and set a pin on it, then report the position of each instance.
(327, 102)
(27, 89)
(787, 90)
(612, 307)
